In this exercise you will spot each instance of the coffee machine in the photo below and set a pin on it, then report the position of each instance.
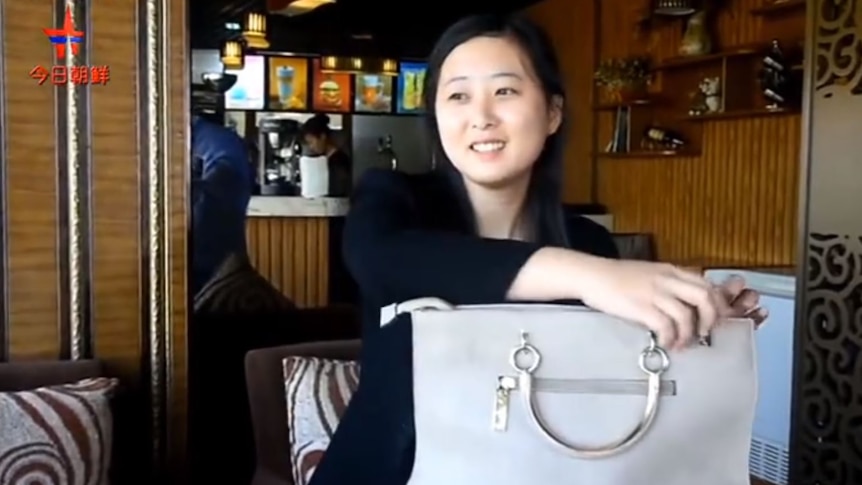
(281, 147)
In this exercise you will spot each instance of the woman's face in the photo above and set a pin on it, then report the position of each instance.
(491, 111)
(316, 144)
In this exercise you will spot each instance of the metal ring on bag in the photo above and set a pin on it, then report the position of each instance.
(653, 351)
(529, 351)
(621, 444)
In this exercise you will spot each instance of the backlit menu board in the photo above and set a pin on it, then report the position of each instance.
(248, 92)
(288, 84)
(411, 87)
(331, 91)
(372, 93)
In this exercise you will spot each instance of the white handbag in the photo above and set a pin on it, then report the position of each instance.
(550, 394)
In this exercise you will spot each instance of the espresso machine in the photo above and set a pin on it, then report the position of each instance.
(281, 147)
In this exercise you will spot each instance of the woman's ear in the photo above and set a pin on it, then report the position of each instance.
(555, 114)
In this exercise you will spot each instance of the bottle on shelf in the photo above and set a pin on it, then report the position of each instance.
(655, 137)
(384, 147)
(775, 81)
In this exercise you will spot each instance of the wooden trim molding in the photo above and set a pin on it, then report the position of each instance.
(153, 221)
(4, 254)
(163, 118)
(73, 130)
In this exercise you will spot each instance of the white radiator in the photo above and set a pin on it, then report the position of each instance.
(770, 446)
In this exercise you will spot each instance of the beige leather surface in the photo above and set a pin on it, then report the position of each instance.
(701, 433)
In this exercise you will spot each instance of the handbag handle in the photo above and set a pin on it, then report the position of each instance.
(525, 384)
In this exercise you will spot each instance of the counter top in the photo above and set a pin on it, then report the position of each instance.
(287, 206)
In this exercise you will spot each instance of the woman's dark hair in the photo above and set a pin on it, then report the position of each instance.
(544, 195)
(317, 125)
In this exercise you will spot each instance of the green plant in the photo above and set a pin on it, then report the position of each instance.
(617, 73)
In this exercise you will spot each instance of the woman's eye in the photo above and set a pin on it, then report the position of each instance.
(506, 91)
(457, 97)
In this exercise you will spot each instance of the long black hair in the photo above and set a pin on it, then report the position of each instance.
(544, 194)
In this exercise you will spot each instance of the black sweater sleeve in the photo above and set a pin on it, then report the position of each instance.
(393, 258)
(590, 237)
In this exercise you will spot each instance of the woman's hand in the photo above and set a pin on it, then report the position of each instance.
(678, 305)
(744, 302)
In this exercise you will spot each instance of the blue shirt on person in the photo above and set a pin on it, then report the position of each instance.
(222, 181)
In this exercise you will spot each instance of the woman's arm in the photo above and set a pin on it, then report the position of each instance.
(558, 274)
(394, 259)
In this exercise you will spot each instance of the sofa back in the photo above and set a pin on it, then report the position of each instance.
(20, 376)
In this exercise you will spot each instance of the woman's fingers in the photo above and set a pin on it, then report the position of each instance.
(662, 324)
(701, 297)
(759, 315)
(682, 316)
(746, 301)
(732, 287)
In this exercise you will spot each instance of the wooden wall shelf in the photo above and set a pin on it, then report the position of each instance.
(741, 113)
(623, 104)
(685, 61)
(737, 67)
(779, 7)
(647, 154)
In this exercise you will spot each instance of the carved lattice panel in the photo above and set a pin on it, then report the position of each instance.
(838, 47)
(828, 418)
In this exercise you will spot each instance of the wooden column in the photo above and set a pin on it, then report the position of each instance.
(827, 385)
(92, 209)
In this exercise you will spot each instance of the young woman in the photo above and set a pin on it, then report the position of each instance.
(488, 229)
(318, 139)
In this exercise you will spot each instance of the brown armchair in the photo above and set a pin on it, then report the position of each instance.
(264, 377)
(636, 246)
(238, 310)
(20, 376)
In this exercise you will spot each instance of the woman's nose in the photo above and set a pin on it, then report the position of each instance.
(483, 116)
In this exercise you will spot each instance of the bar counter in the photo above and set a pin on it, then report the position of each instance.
(289, 242)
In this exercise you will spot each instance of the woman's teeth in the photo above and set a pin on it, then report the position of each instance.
(485, 147)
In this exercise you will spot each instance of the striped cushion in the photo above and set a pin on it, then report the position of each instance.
(57, 435)
(317, 392)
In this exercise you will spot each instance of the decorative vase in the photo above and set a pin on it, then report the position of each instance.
(696, 40)
(632, 91)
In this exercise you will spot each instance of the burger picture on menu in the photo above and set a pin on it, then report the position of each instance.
(330, 94)
(332, 90)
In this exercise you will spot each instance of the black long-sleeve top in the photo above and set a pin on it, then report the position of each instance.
(405, 238)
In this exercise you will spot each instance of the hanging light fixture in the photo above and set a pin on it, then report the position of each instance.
(232, 55)
(292, 8)
(674, 8)
(329, 63)
(358, 65)
(254, 31)
(389, 67)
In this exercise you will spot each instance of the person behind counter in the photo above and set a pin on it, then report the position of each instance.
(319, 141)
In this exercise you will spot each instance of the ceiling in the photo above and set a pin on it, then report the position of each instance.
(396, 30)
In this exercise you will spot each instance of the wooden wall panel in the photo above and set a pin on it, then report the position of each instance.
(293, 254)
(117, 252)
(177, 175)
(734, 204)
(572, 27)
(116, 233)
(95, 185)
(31, 184)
